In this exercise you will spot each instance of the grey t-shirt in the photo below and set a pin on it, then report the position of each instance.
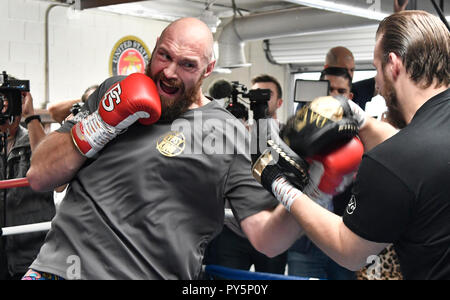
(148, 205)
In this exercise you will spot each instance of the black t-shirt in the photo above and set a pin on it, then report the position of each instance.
(402, 193)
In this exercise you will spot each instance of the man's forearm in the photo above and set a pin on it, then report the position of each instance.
(371, 131)
(375, 132)
(329, 233)
(36, 133)
(272, 232)
(60, 110)
(54, 162)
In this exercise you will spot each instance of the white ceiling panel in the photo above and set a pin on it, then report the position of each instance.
(306, 48)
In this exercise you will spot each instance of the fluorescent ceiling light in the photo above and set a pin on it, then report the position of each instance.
(165, 11)
(138, 10)
(220, 70)
(342, 8)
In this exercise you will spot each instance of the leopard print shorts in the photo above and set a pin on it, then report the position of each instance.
(385, 266)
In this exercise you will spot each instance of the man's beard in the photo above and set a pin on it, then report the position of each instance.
(173, 108)
(394, 114)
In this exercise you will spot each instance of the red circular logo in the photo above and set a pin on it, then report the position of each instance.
(130, 55)
(131, 61)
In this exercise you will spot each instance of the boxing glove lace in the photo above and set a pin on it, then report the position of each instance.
(134, 98)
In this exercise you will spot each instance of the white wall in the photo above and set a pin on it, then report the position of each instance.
(260, 65)
(80, 44)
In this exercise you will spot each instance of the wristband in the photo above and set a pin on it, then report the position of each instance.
(91, 134)
(31, 118)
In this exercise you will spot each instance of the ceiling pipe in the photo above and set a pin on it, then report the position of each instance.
(46, 51)
(85, 4)
(278, 24)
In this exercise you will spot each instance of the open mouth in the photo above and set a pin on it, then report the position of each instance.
(168, 89)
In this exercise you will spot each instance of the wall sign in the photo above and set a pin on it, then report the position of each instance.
(129, 55)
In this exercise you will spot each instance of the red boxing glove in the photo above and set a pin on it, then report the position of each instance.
(330, 174)
(134, 98)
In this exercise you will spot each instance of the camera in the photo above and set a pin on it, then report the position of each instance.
(75, 109)
(258, 99)
(11, 96)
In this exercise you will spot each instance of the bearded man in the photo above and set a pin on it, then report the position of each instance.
(401, 192)
(146, 197)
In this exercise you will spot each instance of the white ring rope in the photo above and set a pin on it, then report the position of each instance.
(14, 230)
(45, 226)
(229, 213)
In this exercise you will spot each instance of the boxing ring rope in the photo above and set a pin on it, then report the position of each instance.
(213, 271)
(14, 230)
(12, 183)
(216, 272)
(229, 213)
(219, 273)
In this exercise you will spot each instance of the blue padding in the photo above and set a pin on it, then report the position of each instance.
(233, 274)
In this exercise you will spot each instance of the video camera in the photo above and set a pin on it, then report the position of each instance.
(11, 96)
(258, 99)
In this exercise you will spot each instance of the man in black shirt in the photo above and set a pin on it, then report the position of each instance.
(401, 193)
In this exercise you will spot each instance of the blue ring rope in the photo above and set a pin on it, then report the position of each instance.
(221, 272)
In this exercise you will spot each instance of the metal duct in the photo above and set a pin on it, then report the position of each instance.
(371, 9)
(278, 24)
(310, 49)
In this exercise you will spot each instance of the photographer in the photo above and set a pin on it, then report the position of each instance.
(20, 206)
(232, 248)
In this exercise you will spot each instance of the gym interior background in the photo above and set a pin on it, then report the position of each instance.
(64, 46)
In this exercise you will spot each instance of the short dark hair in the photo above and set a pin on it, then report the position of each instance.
(337, 71)
(87, 92)
(268, 78)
